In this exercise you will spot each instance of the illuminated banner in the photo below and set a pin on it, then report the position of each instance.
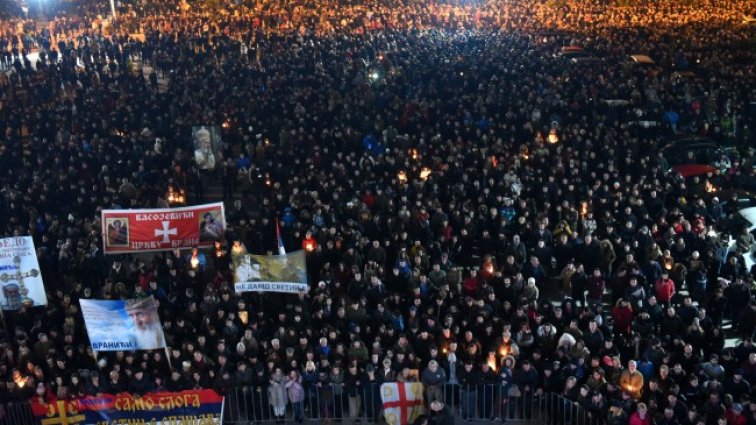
(123, 325)
(186, 407)
(20, 278)
(162, 229)
(271, 273)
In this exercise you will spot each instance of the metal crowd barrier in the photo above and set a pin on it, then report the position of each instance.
(475, 403)
(15, 413)
(250, 405)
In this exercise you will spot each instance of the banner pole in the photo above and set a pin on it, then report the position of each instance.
(168, 357)
(2, 318)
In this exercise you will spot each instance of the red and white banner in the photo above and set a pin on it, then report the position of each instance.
(402, 402)
(125, 231)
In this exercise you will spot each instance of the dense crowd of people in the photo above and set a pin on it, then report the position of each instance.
(480, 213)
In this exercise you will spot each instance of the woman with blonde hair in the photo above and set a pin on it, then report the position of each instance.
(640, 416)
(277, 397)
(296, 394)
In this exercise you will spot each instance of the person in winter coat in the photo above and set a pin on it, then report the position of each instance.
(309, 382)
(531, 292)
(622, 313)
(631, 380)
(296, 394)
(277, 394)
(526, 380)
(640, 416)
(467, 375)
(596, 286)
(735, 415)
(354, 386)
(665, 288)
(433, 378)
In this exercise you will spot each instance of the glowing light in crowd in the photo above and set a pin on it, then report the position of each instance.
(524, 153)
(492, 362)
(553, 137)
(309, 246)
(425, 173)
(710, 187)
(194, 261)
(402, 176)
(237, 248)
(584, 208)
(175, 197)
(19, 379)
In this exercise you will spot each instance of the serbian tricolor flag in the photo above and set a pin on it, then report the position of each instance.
(402, 402)
(281, 249)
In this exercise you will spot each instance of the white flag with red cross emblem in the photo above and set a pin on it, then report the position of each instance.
(402, 402)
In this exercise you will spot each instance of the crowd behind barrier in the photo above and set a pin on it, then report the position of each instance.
(245, 405)
(478, 210)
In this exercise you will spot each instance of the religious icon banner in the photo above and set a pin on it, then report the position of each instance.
(207, 146)
(123, 325)
(271, 273)
(20, 277)
(143, 230)
(185, 407)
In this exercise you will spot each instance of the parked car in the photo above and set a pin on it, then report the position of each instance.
(697, 150)
(642, 60)
(571, 51)
(744, 217)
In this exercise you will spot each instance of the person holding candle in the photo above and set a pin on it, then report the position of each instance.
(631, 380)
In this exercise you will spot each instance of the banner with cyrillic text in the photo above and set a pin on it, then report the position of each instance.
(20, 276)
(271, 273)
(123, 325)
(142, 230)
(186, 407)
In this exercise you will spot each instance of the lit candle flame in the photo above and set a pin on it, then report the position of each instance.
(553, 138)
(20, 380)
(425, 173)
(492, 363)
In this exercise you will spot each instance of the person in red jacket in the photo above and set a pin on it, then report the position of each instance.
(640, 416)
(470, 285)
(622, 313)
(665, 288)
(735, 415)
